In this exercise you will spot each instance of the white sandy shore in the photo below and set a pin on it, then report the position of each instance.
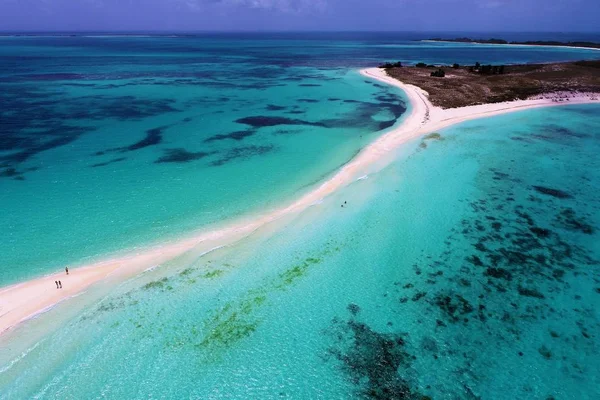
(22, 301)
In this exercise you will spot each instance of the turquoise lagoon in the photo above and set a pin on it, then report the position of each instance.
(467, 268)
(112, 143)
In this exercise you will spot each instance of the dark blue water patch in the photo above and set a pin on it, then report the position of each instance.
(386, 98)
(16, 174)
(104, 164)
(309, 85)
(75, 84)
(297, 77)
(264, 73)
(205, 100)
(333, 99)
(153, 137)
(180, 155)
(562, 132)
(568, 219)
(242, 153)
(558, 134)
(386, 124)
(376, 363)
(263, 121)
(557, 193)
(307, 101)
(27, 145)
(10, 173)
(124, 108)
(52, 77)
(273, 107)
(295, 112)
(237, 135)
(287, 132)
(263, 85)
(523, 139)
(362, 116)
(375, 84)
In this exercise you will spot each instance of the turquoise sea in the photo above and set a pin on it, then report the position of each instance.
(467, 268)
(108, 143)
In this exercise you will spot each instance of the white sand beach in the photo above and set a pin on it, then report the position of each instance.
(22, 301)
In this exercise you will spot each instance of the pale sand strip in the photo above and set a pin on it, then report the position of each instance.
(22, 301)
(514, 45)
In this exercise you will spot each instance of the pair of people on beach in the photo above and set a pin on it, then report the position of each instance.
(59, 283)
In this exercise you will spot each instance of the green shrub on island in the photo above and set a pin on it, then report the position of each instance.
(487, 69)
(439, 73)
(492, 69)
(421, 65)
(455, 66)
(389, 65)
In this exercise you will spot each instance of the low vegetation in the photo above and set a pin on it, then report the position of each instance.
(388, 65)
(481, 84)
(530, 42)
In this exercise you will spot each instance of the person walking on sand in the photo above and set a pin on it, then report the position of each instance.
(60, 284)
(67, 270)
(56, 284)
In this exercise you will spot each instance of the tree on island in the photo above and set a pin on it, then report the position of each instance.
(421, 65)
(439, 73)
(491, 69)
(455, 66)
(389, 65)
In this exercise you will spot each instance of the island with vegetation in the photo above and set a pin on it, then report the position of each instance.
(591, 45)
(458, 86)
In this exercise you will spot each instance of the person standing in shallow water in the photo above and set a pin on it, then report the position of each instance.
(56, 284)
(60, 284)
(67, 270)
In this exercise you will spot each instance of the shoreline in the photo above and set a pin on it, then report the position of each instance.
(22, 301)
(513, 44)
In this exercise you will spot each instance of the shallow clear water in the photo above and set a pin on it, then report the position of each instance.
(108, 143)
(467, 268)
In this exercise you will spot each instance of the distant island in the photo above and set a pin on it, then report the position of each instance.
(590, 45)
(454, 85)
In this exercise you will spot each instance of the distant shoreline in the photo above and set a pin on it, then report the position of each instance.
(22, 301)
(516, 44)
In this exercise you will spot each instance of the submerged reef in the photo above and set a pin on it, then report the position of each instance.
(181, 156)
(506, 271)
(375, 362)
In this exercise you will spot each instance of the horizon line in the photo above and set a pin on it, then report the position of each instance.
(199, 31)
